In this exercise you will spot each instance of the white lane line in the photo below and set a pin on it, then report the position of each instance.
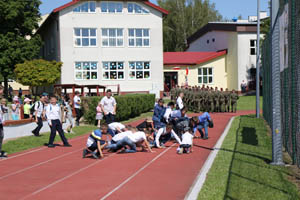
(35, 150)
(136, 173)
(66, 177)
(200, 179)
(38, 164)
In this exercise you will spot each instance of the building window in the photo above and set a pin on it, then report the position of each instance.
(138, 37)
(111, 7)
(86, 7)
(113, 70)
(112, 37)
(135, 8)
(205, 75)
(85, 37)
(86, 70)
(252, 47)
(139, 70)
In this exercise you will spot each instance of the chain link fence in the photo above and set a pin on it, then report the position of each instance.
(281, 57)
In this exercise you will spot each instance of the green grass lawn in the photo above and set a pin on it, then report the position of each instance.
(241, 169)
(248, 103)
(29, 142)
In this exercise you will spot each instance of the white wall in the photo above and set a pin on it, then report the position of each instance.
(70, 54)
(245, 60)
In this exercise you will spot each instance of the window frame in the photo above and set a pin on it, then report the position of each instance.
(135, 70)
(135, 13)
(108, 37)
(81, 37)
(89, 7)
(208, 75)
(135, 38)
(108, 7)
(253, 47)
(117, 70)
(82, 70)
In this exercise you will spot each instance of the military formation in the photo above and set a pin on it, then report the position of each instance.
(206, 99)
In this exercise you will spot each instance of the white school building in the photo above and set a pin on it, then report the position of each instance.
(107, 43)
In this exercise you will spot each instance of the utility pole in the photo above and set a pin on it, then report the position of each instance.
(258, 60)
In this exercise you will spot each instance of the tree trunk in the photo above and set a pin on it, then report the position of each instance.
(5, 86)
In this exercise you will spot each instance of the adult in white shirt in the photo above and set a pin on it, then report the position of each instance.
(53, 113)
(77, 106)
(179, 101)
(169, 110)
(2, 121)
(109, 107)
(115, 128)
(186, 143)
(163, 135)
(39, 115)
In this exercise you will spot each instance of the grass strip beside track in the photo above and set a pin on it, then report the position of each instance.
(241, 169)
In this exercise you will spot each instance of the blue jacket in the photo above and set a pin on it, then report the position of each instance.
(158, 113)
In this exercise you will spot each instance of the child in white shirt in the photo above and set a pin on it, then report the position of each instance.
(186, 143)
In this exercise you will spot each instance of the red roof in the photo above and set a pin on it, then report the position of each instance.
(145, 1)
(190, 58)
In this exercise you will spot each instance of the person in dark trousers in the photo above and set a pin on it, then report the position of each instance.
(158, 114)
(77, 106)
(109, 107)
(38, 114)
(20, 92)
(53, 113)
(2, 153)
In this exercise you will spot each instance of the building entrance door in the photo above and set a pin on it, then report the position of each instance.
(170, 80)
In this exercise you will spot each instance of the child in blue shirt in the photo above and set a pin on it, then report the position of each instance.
(95, 142)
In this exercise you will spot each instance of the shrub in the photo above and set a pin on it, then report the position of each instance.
(128, 106)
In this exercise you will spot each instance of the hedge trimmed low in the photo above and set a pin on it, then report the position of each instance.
(128, 106)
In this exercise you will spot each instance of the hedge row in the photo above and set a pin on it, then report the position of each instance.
(128, 106)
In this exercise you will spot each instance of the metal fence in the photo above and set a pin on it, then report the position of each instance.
(281, 64)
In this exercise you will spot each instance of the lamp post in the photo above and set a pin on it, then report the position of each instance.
(257, 61)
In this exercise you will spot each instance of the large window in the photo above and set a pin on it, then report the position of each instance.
(112, 37)
(85, 37)
(113, 70)
(86, 7)
(111, 7)
(139, 70)
(205, 75)
(252, 47)
(135, 8)
(138, 37)
(86, 70)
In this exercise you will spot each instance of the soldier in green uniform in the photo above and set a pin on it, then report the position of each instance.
(233, 97)
(211, 100)
(198, 99)
(216, 100)
(172, 93)
(227, 100)
(222, 100)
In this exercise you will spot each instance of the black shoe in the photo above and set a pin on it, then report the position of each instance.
(35, 134)
(205, 138)
(51, 145)
(67, 145)
(95, 155)
(3, 154)
(84, 153)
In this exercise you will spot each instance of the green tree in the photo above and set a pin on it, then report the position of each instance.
(38, 72)
(185, 18)
(18, 19)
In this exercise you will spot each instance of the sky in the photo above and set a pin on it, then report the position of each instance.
(228, 8)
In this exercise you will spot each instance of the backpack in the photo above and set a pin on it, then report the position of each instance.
(32, 110)
(210, 124)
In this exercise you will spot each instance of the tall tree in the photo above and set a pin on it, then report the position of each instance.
(185, 18)
(18, 19)
(38, 72)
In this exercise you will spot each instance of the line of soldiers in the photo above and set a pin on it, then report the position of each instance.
(206, 99)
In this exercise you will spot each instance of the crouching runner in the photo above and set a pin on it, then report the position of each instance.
(95, 142)
(163, 135)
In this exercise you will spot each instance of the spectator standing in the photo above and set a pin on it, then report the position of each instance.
(77, 106)
(27, 107)
(39, 107)
(68, 115)
(158, 115)
(109, 107)
(20, 92)
(10, 91)
(99, 115)
(15, 109)
(2, 121)
(4, 109)
(179, 101)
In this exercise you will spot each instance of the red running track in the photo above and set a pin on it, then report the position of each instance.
(61, 173)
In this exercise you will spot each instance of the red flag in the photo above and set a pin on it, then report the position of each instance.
(187, 71)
